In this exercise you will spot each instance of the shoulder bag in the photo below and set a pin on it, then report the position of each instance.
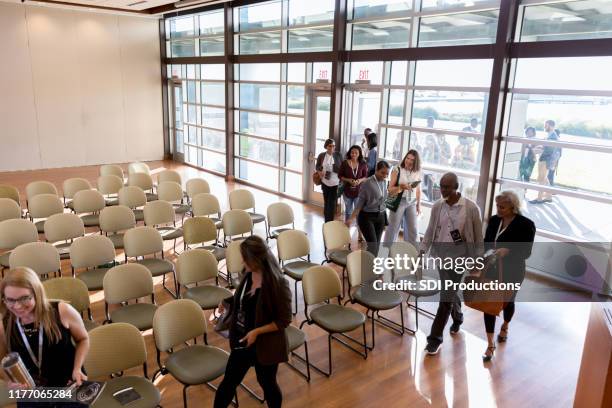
(393, 202)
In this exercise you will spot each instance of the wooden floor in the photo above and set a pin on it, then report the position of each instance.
(537, 367)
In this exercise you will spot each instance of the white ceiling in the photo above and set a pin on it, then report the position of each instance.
(121, 4)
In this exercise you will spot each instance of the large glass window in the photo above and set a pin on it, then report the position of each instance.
(568, 20)
(285, 26)
(558, 142)
(196, 35)
(203, 107)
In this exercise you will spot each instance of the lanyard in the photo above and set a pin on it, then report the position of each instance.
(379, 187)
(500, 230)
(26, 343)
(355, 171)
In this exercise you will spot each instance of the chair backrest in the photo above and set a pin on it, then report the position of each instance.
(205, 204)
(198, 230)
(196, 186)
(142, 180)
(108, 356)
(63, 227)
(405, 250)
(109, 184)
(9, 209)
(91, 251)
(196, 265)
(142, 241)
(132, 196)
(16, 232)
(320, 283)
(39, 187)
(111, 170)
(241, 199)
(138, 167)
(8, 191)
(45, 205)
(73, 185)
(71, 290)
(42, 257)
(360, 266)
(336, 235)
(87, 201)
(158, 213)
(169, 175)
(117, 218)
(292, 244)
(176, 322)
(125, 282)
(237, 222)
(233, 258)
(169, 191)
(279, 214)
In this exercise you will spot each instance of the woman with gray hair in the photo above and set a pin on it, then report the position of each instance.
(511, 236)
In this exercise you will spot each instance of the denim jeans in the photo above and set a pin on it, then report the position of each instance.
(349, 204)
(405, 215)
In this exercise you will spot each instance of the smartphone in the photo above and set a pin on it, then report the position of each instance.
(415, 183)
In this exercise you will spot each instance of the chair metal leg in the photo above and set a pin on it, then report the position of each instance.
(306, 361)
(185, 396)
(252, 393)
(175, 294)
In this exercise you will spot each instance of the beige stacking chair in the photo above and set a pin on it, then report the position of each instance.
(200, 231)
(138, 167)
(39, 187)
(8, 191)
(107, 356)
(114, 220)
(89, 203)
(321, 284)
(111, 170)
(73, 291)
(72, 186)
(242, 199)
(41, 257)
(176, 323)
(127, 282)
(280, 215)
(9, 209)
(196, 266)
(41, 207)
(14, 233)
(360, 266)
(109, 186)
(160, 215)
(236, 223)
(133, 197)
(96, 255)
(196, 186)
(337, 244)
(173, 193)
(293, 245)
(62, 229)
(143, 181)
(143, 241)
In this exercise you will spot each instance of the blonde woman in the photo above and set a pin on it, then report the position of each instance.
(49, 336)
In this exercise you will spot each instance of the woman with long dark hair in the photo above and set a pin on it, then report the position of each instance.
(49, 336)
(353, 172)
(372, 153)
(261, 311)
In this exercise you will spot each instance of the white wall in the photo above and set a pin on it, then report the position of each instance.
(77, 88)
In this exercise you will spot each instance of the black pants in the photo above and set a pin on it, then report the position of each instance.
(237, 366)
(490, 319)
(330, 196)
(372, 225)
(450, 305)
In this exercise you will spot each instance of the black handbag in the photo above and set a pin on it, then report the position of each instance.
(225, 320)
(393, 202)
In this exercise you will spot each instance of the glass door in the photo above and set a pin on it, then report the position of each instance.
(362, 110)
(176, 124)
(317, 118)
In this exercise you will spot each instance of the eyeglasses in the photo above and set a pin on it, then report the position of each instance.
(24, 300)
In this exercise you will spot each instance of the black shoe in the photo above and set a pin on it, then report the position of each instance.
(547, 200)
(488, 355)
(432, 348)
(455, 327)
(535, 201)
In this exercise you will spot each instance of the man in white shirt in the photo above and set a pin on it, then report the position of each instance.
(455, 230)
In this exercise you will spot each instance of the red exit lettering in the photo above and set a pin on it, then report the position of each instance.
(322, 74)
(364, 74)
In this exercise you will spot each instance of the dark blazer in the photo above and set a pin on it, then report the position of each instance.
(272, 347)
(337, 161)
(518, 238)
